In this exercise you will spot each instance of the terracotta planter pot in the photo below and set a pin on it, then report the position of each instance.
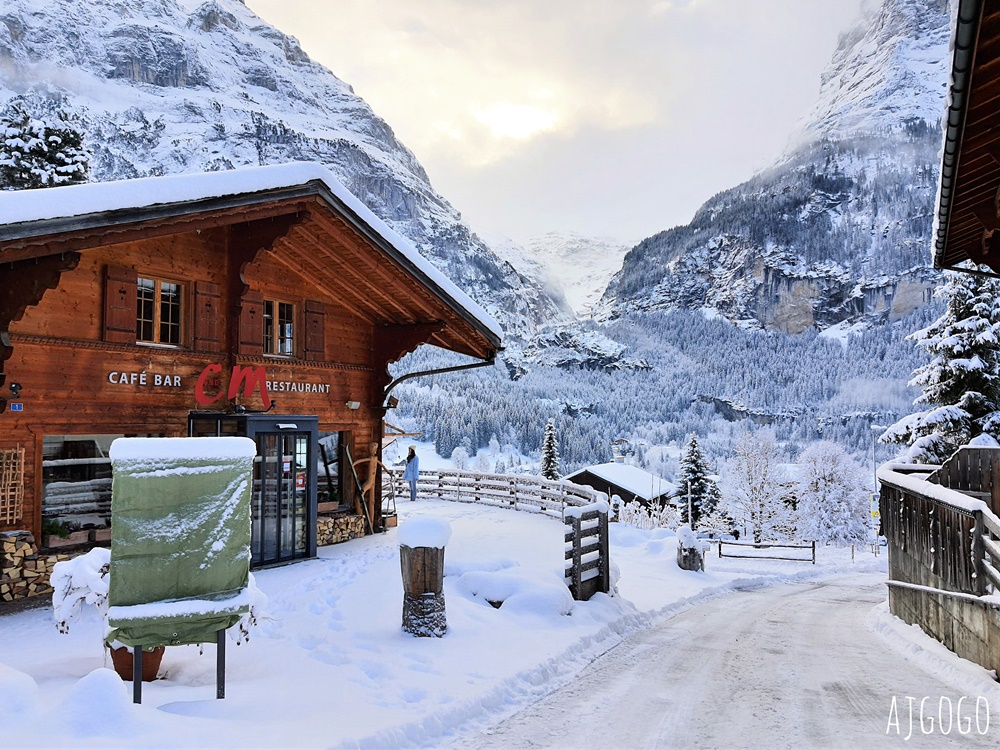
(122, 659)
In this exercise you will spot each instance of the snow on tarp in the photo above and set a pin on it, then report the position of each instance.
(180, 549)
(17, 206)
(631, 478)
(424, 531)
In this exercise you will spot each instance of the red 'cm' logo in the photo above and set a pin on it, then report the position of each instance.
(249, 377)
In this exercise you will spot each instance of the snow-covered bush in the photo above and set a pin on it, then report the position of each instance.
(81, 580)
(642, 516)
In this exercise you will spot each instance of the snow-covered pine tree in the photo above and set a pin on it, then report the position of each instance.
(833, 496)
(694, 479)
(36, 154)
(550, 452)
(961, 383)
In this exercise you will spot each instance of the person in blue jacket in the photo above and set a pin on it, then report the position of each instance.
(412, 471)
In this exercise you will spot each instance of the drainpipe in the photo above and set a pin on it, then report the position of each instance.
(439, 371)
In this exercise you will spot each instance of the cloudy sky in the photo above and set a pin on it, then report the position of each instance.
(613, 118)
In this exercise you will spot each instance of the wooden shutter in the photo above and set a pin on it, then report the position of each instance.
(119, 304)
(315, 320)
(207, 326)
(251, 324)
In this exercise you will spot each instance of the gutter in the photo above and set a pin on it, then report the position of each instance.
(437, 371)
(966, 35)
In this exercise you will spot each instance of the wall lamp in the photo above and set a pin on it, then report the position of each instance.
(15, 388)
(353, 405)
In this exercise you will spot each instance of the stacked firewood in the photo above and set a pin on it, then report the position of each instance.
(339, 528)
(22, 572)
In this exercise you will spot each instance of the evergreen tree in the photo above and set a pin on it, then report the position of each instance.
(833, 496)
(961, 383)
(694, 479)
(550, 452)
(36, 154)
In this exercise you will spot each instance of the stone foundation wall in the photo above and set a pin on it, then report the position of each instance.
(338, 528)
(23, 572)
(969, 628)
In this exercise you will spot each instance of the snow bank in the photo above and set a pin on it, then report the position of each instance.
(424, 531)
(19, 696)
(98, 705)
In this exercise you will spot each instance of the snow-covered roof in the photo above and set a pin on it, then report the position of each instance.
(27, 213)
(631, 478)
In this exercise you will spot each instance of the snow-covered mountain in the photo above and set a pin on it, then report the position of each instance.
(580, 266)
(573, 267)
(168, 86)
(840, 228)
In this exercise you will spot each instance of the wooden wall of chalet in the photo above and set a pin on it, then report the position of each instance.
(80, 378)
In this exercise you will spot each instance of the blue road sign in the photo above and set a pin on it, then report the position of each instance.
(17, 407)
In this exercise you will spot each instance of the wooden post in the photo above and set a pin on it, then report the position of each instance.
(577, 561)
(605, 554)
(814, 552)
(220, 665)
(137, 674)
(423, 590)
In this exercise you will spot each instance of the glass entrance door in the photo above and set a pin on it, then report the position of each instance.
(281, 497)
(283, 501)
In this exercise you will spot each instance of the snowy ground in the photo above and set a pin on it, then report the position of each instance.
(332, 668)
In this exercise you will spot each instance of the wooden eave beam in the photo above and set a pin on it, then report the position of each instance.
(22, 285)
(76, 240)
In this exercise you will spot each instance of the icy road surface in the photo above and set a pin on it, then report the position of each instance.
(790, 666)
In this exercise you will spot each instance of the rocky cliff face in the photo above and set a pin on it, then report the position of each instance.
(840, 228)
(168, 86)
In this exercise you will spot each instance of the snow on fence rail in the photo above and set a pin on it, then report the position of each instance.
(517, 491)
(769, 546)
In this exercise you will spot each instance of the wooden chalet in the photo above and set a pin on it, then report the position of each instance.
(630, 483)
(942, 523)
(265, 302)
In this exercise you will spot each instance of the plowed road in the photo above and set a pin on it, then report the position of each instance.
(791, 666)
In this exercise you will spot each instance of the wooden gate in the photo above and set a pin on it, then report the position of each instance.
(588, 564)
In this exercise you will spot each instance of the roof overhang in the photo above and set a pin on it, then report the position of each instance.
(967, 224)
(56, 220)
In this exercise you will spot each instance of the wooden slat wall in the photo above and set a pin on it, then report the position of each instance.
(65, 364)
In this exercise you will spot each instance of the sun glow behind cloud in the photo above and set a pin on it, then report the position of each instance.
(646, 106)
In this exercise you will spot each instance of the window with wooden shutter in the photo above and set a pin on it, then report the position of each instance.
(207, 324)
(120, 304)
(315, 323)
(251, 324)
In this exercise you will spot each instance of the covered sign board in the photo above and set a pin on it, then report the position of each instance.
(180, 550)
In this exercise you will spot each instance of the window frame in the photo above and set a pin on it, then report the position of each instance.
(157, 322)
(274, 342)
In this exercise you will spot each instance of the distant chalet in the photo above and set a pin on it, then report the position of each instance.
(630, 483)
(265, 301)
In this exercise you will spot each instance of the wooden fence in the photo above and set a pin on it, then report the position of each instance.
(588, 566)
(768, 546)
(942, 536)
(517, 491)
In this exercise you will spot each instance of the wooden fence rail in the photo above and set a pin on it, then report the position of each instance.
(517, 491)
(764, 545)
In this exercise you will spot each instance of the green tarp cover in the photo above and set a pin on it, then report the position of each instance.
(180, 549)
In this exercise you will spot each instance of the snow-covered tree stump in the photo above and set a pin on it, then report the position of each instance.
(690, 554)
(423, 591)
(422, 540)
